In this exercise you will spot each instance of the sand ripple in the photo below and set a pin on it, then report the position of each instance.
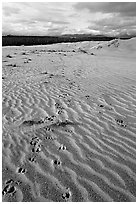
(67, 137)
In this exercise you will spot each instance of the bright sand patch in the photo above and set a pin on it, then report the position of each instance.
(69, 122)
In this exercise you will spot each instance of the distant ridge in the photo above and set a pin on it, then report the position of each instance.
(16, 40)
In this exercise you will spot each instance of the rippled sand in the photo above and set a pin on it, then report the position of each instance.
(69, 122)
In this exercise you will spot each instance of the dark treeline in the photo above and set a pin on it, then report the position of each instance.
(11, 40)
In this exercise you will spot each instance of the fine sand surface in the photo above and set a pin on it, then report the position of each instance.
(69, 122)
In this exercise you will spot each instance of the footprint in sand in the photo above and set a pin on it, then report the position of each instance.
(60, 112)
(36, 149)
(5, 190)
(120, 122)
(8, 189)
(62, 147)
(106, 107)
(51, 119)
(67, 195)
(35, 142)
(21, 170)
(48, 129)
(32, 159)
(67, 130)
(50, 138)
(57, 162)
(11, 190)
(101, 106)
(9, 181)
(87, 96)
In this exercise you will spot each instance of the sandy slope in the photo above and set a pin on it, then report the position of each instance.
(69, 122)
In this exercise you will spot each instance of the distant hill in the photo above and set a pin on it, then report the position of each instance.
(11, 40)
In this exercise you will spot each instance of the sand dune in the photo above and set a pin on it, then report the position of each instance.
(69, 122)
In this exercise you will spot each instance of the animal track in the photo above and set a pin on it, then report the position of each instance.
(120, 122)
(36, 149)
(32, 159)
(62, 147)
(8, 189)
(9, 181)
(21, 170)
(66, 195)
(57, 162)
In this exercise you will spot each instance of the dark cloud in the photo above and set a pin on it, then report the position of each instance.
(122, 8)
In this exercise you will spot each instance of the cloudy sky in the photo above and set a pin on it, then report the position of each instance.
(55, 18)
